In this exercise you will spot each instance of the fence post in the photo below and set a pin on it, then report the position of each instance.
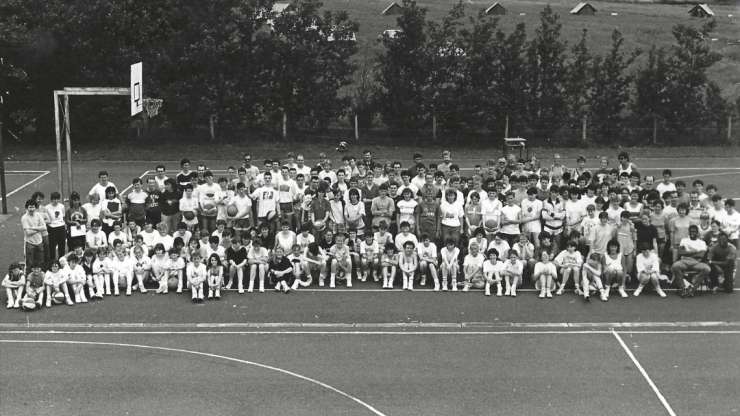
(729, 128)
(584, 126)
(3, 190)
(357, 129)
(285, 125)
(434, 126)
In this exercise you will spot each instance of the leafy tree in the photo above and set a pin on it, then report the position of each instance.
(546, 75)
(691, 57)
(445, 58)
(403, 71)
(309, 63)
(611, 88)
(511, 75)
(651, 89)
(717, 107)
(579, 80)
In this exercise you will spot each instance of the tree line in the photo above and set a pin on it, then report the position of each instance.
(239, 64)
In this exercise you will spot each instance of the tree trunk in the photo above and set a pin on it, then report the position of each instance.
(285, 125)
(655, 130)
(584, 126)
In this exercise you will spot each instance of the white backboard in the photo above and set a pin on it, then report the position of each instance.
(137, 91)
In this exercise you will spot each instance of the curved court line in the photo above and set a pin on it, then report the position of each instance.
(707, 174)
(205, 354)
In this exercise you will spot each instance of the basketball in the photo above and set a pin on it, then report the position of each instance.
(319, 225)
(491, 224)
(57, 297)
(188, 215)
(28, 304)
(232, 210)
(172, 283)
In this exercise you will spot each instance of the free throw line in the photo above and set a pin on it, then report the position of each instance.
(644, 373)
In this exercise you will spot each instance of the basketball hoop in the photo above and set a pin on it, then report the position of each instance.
(152, 106)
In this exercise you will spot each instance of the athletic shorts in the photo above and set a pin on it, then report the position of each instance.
(286, 208)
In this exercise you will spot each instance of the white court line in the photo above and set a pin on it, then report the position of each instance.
(24, 172)
(14, 191)
(353, 333)
(498, 326)
(707, 174)
(644, 373)
(205, 354)
(126, 189)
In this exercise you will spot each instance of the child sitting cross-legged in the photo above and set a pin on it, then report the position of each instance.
(14, 284)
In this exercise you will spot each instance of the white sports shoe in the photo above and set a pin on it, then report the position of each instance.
(622, 293)
(660, 292)
(638, 291)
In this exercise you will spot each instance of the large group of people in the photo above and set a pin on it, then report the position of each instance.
(287, 226)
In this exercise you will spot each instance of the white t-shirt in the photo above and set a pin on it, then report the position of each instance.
(662, 187)
(476, 260)
(489, 269)
(56, 215)
(693, 245)
(651, 263)
(266, 198)
(407, 210)
(511, 213)
(490, 209)
(100, 189)
(502, 247)
(451, 213)
(286, 190)
(731, 224)
(531, 210)
(427, 252)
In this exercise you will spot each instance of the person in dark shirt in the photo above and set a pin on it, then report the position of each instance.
(647, 234)
(721, 258)
(186, 176)
(281, 271)
(169, 204)
(151, 204)
(236, 258)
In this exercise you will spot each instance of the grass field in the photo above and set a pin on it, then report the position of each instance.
(641, 24)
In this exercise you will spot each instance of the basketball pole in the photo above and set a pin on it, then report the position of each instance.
(58, 134)
(3, 189)
(70, 186)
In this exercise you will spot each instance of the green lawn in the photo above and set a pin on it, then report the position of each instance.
(641, 24)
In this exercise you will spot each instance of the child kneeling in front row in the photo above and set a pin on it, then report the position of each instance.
(197, 274)
(56, 282)
(648, 270)
(14, 284)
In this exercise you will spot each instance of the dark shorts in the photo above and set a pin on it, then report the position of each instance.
(286, 208)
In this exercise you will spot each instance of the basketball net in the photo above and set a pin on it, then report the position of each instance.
(152, 106)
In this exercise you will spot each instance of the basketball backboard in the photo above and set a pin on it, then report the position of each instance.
(137, 92)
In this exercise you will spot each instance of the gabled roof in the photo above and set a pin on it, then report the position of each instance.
(704, 7)
(280, 7)
(580, 7)
(392, 8)
(493, 6)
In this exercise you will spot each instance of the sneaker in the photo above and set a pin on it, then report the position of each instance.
(69, 302)
(262, 290)
(48, 304)
(508, 292)
(466, 288)
(321, 282)
(548, 294)
(444, 288)
(349, 284)
(9, 305)
(578, 291)
(559, 292)
(488, 292)
(638, 291)
(513, 293)
(603, 297)
(498, 291)
(622, 293)
(587, 298)
(541, 295)
(217, 297)
(241, 291)
(660, 292)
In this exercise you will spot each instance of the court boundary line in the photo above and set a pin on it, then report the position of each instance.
(593, 326)
(384, 333)
(645, 374)
(40, 175)
(128, 188)
(209, 355)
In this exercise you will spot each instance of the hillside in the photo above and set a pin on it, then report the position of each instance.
(641, 24)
